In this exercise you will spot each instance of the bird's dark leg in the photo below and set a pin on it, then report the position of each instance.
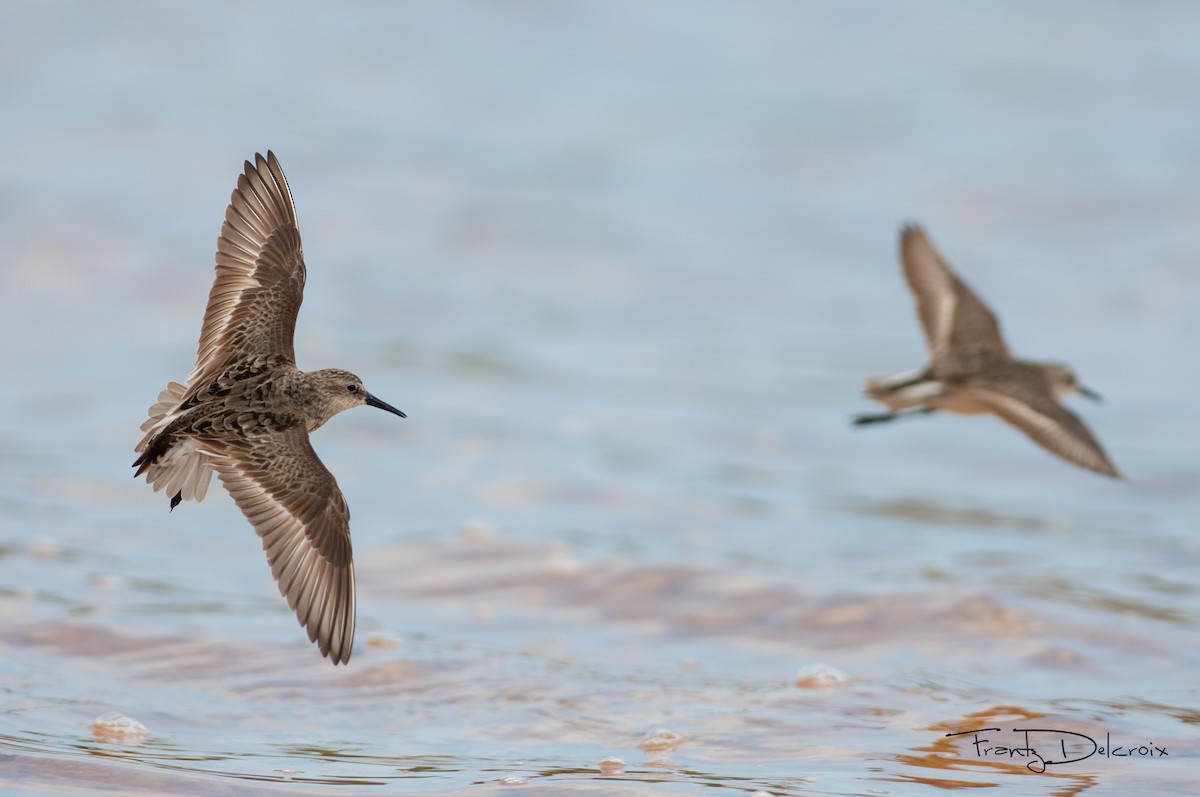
(863, 420)
(175, 499)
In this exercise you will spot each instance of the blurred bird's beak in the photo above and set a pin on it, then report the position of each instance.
(1086, 393)
(383, 405)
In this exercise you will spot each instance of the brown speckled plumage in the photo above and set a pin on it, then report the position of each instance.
(246, 412)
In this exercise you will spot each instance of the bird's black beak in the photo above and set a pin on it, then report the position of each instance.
(383, 405)
(1090, 394)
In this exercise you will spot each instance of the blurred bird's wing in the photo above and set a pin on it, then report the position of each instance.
(955, 321)
(1032, 408)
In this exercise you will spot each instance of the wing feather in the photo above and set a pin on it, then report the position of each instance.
(955, 321)
(260, 276)
(1046, 422)
(295, 505)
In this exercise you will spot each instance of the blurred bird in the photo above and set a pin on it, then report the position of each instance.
(971, 370)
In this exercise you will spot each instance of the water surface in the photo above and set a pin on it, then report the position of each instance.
(625, 267)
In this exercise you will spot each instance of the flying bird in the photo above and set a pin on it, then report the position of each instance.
(246, 411)
(971, 370)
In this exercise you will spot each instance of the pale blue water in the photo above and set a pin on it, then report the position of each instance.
(625, 266)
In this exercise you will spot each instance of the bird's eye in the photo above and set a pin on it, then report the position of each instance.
(352, 388)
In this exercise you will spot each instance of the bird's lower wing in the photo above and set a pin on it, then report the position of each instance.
(1049, 424)
(295, 505)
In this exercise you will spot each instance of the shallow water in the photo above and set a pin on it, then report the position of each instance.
(625, 267)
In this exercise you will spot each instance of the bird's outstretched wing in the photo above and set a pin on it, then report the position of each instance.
(259, 286)
(294, 504)
(1034, 410)
(955, 320)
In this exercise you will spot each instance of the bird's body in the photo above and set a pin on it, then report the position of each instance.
(246, 412)
(971, 370)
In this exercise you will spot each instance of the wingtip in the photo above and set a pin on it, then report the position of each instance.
(260, 162)
(335, 648)
(1105, 467)
(912, 238)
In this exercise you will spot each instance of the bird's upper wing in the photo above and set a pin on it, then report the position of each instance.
(253, 303)
(294, 504)
(955, 321)
(1034, 410)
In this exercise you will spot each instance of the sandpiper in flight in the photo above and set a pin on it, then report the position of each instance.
(246, 412)
(972, 371)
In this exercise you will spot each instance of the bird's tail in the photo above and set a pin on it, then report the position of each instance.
(176, 465)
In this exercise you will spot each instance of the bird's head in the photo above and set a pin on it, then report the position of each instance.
(1064, 382)
(336, 390)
